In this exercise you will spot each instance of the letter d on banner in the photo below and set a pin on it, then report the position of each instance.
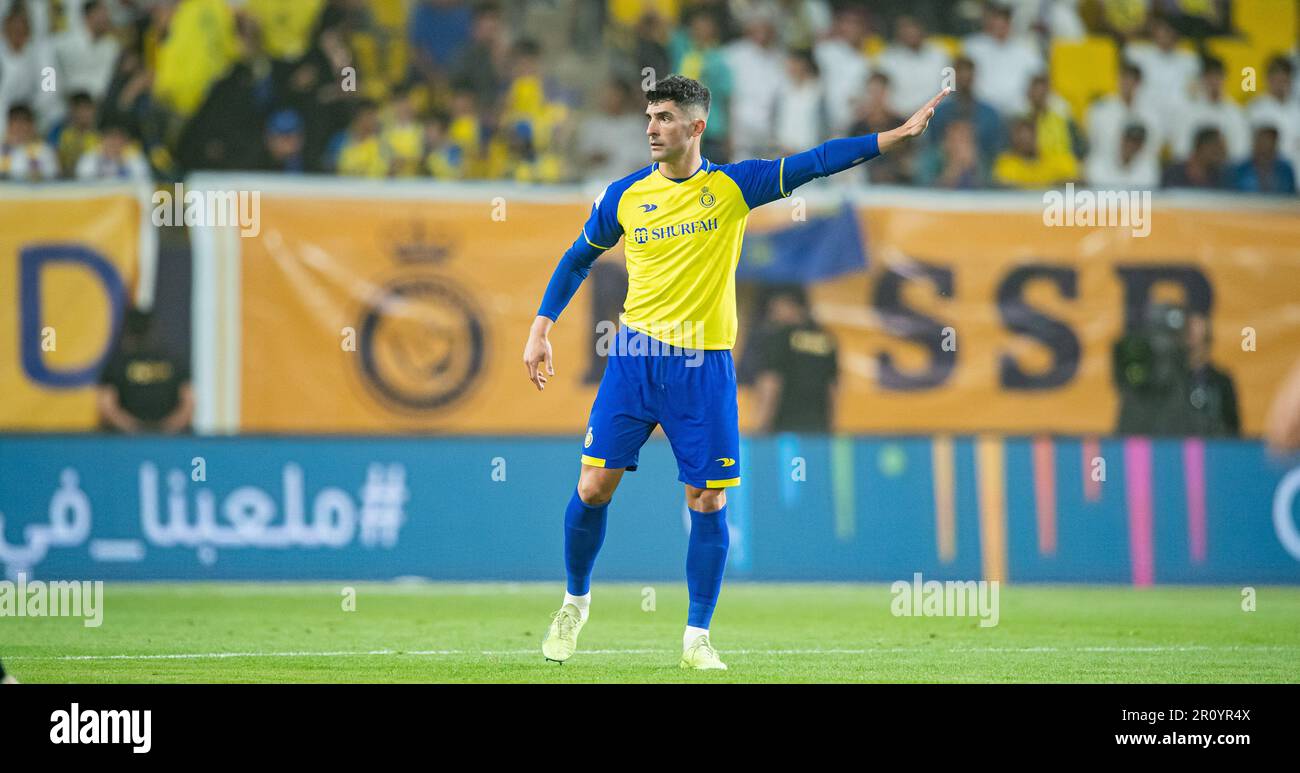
(32, 262)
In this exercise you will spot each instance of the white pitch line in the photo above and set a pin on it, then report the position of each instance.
(535, 651)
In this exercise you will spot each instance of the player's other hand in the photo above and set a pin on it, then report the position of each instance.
(914, 126)
(537, 353)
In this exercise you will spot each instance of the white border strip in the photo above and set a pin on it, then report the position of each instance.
(822, 191)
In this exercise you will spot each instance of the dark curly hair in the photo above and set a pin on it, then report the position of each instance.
(686, 92)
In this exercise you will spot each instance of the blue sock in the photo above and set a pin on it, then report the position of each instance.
(584, 531)
(706, 557)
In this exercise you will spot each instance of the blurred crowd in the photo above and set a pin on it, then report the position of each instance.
(550, 90)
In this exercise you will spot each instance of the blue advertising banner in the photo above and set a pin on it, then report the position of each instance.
(1124, 510)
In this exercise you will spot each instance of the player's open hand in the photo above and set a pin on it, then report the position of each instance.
(917, 124)
(914, 126)
(537, 354)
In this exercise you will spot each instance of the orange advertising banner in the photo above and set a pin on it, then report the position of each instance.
(69, 264)
(396, 308)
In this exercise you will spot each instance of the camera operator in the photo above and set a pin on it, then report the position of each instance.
(1167, 384)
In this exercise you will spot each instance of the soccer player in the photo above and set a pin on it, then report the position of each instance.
(683, 218)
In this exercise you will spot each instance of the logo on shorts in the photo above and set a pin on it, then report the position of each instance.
(587, 443)
(727, 461)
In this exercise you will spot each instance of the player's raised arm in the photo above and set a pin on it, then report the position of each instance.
(600, 233)
(763, 180)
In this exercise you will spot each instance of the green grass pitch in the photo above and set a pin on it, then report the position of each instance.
(453, 632)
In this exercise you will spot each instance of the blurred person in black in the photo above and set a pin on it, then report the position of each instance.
(1205, 168)
(144, 387)
(797, 369)
(1167, 384)
(872, 113)
(1211, 396)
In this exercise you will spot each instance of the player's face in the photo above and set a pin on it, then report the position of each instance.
(670, 131)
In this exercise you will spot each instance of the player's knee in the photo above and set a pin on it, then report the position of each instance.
(705, 500)
(595, 488)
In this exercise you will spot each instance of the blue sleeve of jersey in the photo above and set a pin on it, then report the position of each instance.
(601, 232)
(761, 180)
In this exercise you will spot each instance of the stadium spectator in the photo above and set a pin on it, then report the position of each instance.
(24, 55)
(283, 143)
(1205, 168)
(1008, 61)
(23, 156)
(758, 74)
(697, 53)
(648, 52)
(1280, 108)
(484, 63)
(144, 387)
(1024, 165)
(801, 115)
(1059, 19)
(914, 65)
(844, 68)
(362, 152)
(129, 100)
(1133, 167)
(443, 159)
(403, 134)
(87, 50)
(965, 105)
(1265, 172)
(1122, 19)
(955, 162)
(75, 134)
(1110, 121)
(797, 371)
(438, 30)
(116, 157)
(606, 147)
(1196, 19)
(223, 132)
(531, 119)
(465, 132)
(874, 115)
(1209, 107)
(1168, 71)
(803, 22)
(1057, 134)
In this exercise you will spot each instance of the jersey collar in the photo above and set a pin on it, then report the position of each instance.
(704, 167)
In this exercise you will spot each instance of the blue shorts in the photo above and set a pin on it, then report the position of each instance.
(690, 392)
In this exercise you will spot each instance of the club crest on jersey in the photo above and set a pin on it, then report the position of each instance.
(706, 199)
